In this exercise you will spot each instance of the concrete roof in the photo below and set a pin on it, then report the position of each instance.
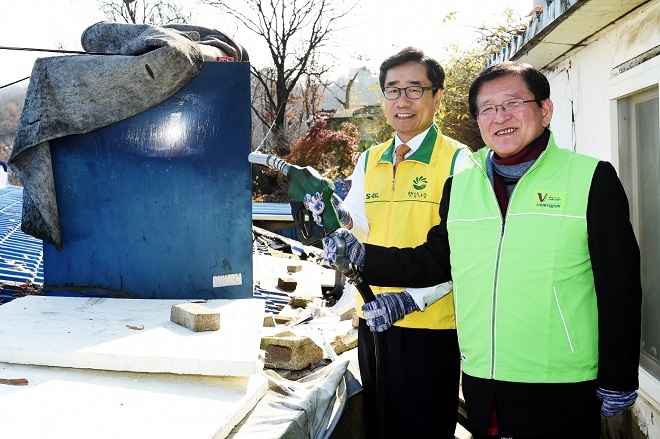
(564, 27)
(111, 367)
(134, 335)
(82, 403)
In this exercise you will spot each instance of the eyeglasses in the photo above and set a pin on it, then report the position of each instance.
(412, 92)
(490, 110)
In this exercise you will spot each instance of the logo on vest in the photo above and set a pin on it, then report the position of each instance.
(371, 196)
(420, 182)
(549, 201)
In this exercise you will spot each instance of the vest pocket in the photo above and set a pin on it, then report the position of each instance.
(566, 321)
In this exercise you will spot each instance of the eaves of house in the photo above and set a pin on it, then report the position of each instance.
(563, 27)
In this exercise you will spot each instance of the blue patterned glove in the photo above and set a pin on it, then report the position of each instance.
(354, 249)
(388, 308)
(329, 252)
(314, 203)
(343, 215)
(615, 402)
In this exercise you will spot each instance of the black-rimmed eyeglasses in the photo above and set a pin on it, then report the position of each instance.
(490, 110)
(412, 92)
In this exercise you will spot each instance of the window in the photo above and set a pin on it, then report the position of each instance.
(639, 162)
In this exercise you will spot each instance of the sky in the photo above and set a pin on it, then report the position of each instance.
(374, 30)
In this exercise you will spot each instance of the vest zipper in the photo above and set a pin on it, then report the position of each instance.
(498, 258)
(493, 305)
(389, 214)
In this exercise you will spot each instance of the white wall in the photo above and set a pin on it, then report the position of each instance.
(579, 83)
(584, 88)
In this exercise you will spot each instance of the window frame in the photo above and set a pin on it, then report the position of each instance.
(635, 81)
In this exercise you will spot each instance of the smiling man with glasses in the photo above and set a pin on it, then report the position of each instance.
(489, 111)
(397, 205)
(412, 92)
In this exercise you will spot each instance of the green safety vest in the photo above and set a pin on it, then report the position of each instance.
(524, 288)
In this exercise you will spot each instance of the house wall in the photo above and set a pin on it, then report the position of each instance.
(584, 90)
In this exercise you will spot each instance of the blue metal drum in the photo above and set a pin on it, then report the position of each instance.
(159, 205)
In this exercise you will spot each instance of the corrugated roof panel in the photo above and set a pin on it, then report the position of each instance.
(272, 211)
(21, 255)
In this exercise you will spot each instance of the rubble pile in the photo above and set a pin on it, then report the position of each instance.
(304, 327)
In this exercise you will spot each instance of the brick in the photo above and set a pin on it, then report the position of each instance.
(294, 268)
(269, 321)
(346, 312)
(282, 319)
(195, 317)
(343, 343)
(287, 283)
(290, 351)
(300, 302)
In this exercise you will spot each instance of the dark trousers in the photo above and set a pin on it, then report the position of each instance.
(423, 367)
(533, 410)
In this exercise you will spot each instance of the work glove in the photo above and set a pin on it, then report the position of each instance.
(354, 250)
(615, 402)
(314, 204)
(388, 308)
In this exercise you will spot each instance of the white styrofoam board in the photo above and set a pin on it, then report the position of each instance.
(94, 333)
(82, 404)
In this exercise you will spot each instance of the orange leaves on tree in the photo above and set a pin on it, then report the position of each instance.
(331, 153)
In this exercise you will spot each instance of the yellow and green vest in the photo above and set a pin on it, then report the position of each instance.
(531, 270)
(401, 211)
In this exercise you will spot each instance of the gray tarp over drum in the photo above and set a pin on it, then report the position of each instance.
(77, 94)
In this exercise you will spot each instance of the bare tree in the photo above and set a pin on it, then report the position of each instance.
(11, 104)
(312, 88)
(157, 12)
(346, 101)
(295, 31)
(461, 67)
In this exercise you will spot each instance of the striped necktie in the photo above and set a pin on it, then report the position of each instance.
(401, 152)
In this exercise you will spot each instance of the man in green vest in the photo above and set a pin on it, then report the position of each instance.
(545, 268)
